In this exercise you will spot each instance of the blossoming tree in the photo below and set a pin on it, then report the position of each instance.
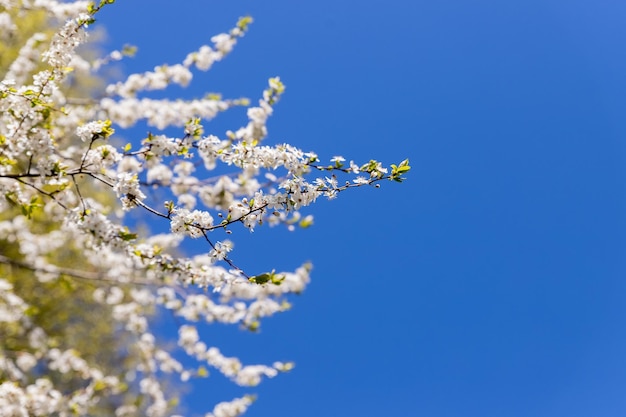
(64, 232)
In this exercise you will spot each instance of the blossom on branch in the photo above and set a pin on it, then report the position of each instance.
(68, 229)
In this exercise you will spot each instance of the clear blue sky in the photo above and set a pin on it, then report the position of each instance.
(493, 282)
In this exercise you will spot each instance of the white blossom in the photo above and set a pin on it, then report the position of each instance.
(59, 162)
(91, 129)
(128, 190)
(233, 408)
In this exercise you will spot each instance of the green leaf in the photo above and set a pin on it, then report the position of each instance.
(398, 170)
(260, 279)
(244, 22)
(267, 277)
(306, 222)
(129, 50)
(126, 235)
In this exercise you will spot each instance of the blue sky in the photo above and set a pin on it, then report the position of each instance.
(491, 283)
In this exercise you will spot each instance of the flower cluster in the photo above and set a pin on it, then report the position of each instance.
(68, 189)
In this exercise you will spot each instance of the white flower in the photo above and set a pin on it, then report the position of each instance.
(190, 223)
(92, 129)
(160, 173)
(128, 190)
(26, 361)
(187, 336)
(233, 408)
(187, 201)
(224, 42)
(221, 250)
(6, 24)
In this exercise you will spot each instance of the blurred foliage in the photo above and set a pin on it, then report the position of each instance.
(64, 308)
(26, 26)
